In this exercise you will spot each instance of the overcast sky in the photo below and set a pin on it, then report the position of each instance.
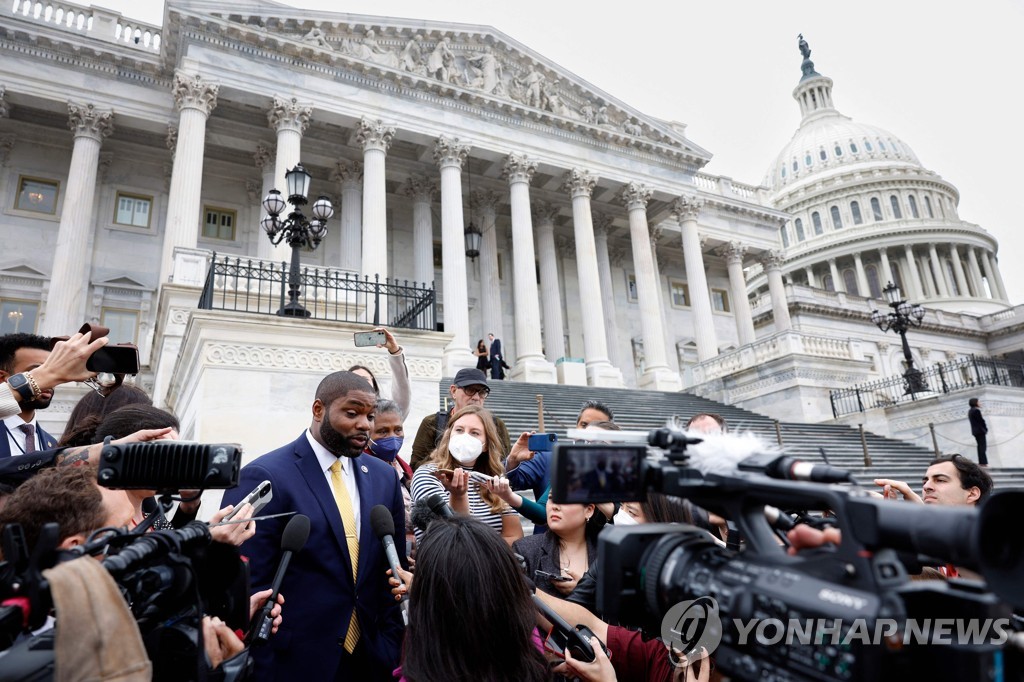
(943, 76)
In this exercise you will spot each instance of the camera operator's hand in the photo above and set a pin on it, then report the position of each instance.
(890, 487)
(256, 602)
(92, 453)
(520, 451)
(66, 361)
(600, 670)
(805, 537)
(233, 533)
(220, 641)
(400, 589)
(500, 488)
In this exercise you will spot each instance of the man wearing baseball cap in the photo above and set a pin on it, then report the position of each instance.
(468, 388)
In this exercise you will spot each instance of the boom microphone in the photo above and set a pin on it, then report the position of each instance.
(293, 539)
(383, 526)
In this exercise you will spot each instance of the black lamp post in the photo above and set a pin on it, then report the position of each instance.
(903, 316)
(295, 229)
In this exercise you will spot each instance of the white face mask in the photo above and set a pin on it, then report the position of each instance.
(465, 448)
(621, 518)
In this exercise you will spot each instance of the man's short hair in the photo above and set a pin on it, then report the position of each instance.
(710, 415)
(67, 496)
(596, 405)
(340, 384)
(10, 343)
(971, 475)
(973, 402)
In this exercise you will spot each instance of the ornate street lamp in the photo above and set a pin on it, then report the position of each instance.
(903, 316)
(296, 229)
(471, 235)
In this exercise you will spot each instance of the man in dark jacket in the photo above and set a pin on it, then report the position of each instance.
(497, 361)
(978, 429)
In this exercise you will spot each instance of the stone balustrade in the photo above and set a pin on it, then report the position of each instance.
(771, 348)
(97, 22)
(727, 187)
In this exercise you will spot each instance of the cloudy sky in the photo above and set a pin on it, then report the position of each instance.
(944, 76)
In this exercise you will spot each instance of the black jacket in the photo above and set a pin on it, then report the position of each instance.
(978, 426)
(540, 553)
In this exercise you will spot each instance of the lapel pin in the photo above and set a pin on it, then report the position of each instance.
(365, 470)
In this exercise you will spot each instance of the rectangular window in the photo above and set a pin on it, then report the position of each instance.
(720, 300)
(438, 255)
(18, 316)
(123, 325)
(680, 293)
(219, 223)
(631, 287)
(37, 195)
(133, 209)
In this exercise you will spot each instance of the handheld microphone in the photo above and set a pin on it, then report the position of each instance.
(422, 515)
(293, 539)
(383, 526)
(439, 506)
(793, 469)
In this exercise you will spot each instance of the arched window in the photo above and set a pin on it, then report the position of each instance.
(853, 147)
(822, 154)
(881, 145)
(799, 225)
(896, 212)
(783, 172)
(913, 206)
(796, 166)
(867, 145)
(928, 206)
(855, 210)
(808, 160)
(876, 209)
(816, 219)
(785, 236)
(897, 278)
(850, 281)
(872, 272)
(837, 222)
(828, 283)
(838, 150)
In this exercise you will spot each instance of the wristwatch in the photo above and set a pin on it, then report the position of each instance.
(23, 385)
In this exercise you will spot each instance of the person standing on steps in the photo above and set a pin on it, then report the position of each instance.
(496, 359)
(979, 429)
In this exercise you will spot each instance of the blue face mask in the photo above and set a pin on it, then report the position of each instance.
(386, 448)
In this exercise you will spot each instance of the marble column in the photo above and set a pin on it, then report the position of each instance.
(421, 190)
(450, 154)
(600, 372)
(975, 271)
(886, 274)
(195, 98)
(686, 210)
(998, 276)
(602, 224)
(657, 374)
(349, 174)
(486, 202)
(671, 356)
(958, 271)
(375, 139)
(990, 275)
(938, 271)
(924, 267)
(772, 262)
(265, 163)
(915, 280)
(551, 302)
(289, 118)
(530, 364)
(734, 253)
(69, 281)
(837, 282)
(862, 278)
(811, 280)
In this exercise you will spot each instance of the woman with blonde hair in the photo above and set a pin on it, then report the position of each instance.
(469, 453)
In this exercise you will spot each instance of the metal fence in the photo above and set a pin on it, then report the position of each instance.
(946, 377)
(256, 286)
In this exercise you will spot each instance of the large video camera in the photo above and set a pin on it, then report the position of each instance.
(846, 611)
(170, 579)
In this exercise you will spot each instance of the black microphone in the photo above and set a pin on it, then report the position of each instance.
(439, 505)
(383, 526)
(293, 539)
(793, 469)
(422, 515)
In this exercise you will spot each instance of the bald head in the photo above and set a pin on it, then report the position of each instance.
(340, 384)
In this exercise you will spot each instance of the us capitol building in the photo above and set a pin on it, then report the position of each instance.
(477, 188)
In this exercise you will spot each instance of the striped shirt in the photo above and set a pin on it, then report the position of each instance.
(425, 484)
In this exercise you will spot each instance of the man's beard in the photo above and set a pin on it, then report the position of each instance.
(37, 404)
(336, 443)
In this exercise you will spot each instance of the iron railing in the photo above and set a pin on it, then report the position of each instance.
(946, 377)
(255, 286)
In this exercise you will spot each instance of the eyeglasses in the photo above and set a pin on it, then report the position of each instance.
(475, 390)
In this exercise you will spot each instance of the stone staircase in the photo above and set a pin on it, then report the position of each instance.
(516, 403)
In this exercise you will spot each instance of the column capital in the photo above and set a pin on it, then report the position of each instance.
(171, 140)
(85, 120)
(254, 187)
(485, 200)
(348, 173)
(419, 187)
(832, 261)
(5, 107)
(518, 168)
(374, 135)
(103, 165)
(773, 260)
(449, 151)
(288, 113)
(6, 147)
(579, 182)
(656, 232)
(544, 213)
(566, 247)
(602, 223)
(687, 207)
(616, 256)
(734, 252)
(191, 91)
(884, 250)
(636, 195)
(264, 158)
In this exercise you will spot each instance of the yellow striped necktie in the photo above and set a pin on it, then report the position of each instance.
(348, 519)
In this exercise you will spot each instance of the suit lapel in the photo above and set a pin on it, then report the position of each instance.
(366, 503)
(5, 443)
(309, 467)
(45, 440)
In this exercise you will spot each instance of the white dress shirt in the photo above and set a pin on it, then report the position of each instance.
(16, 437)
(348, 473)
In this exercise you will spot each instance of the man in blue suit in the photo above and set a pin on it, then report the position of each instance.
(334, 628)
(22, 435)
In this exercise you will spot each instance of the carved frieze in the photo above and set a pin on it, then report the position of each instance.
(253, 356)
